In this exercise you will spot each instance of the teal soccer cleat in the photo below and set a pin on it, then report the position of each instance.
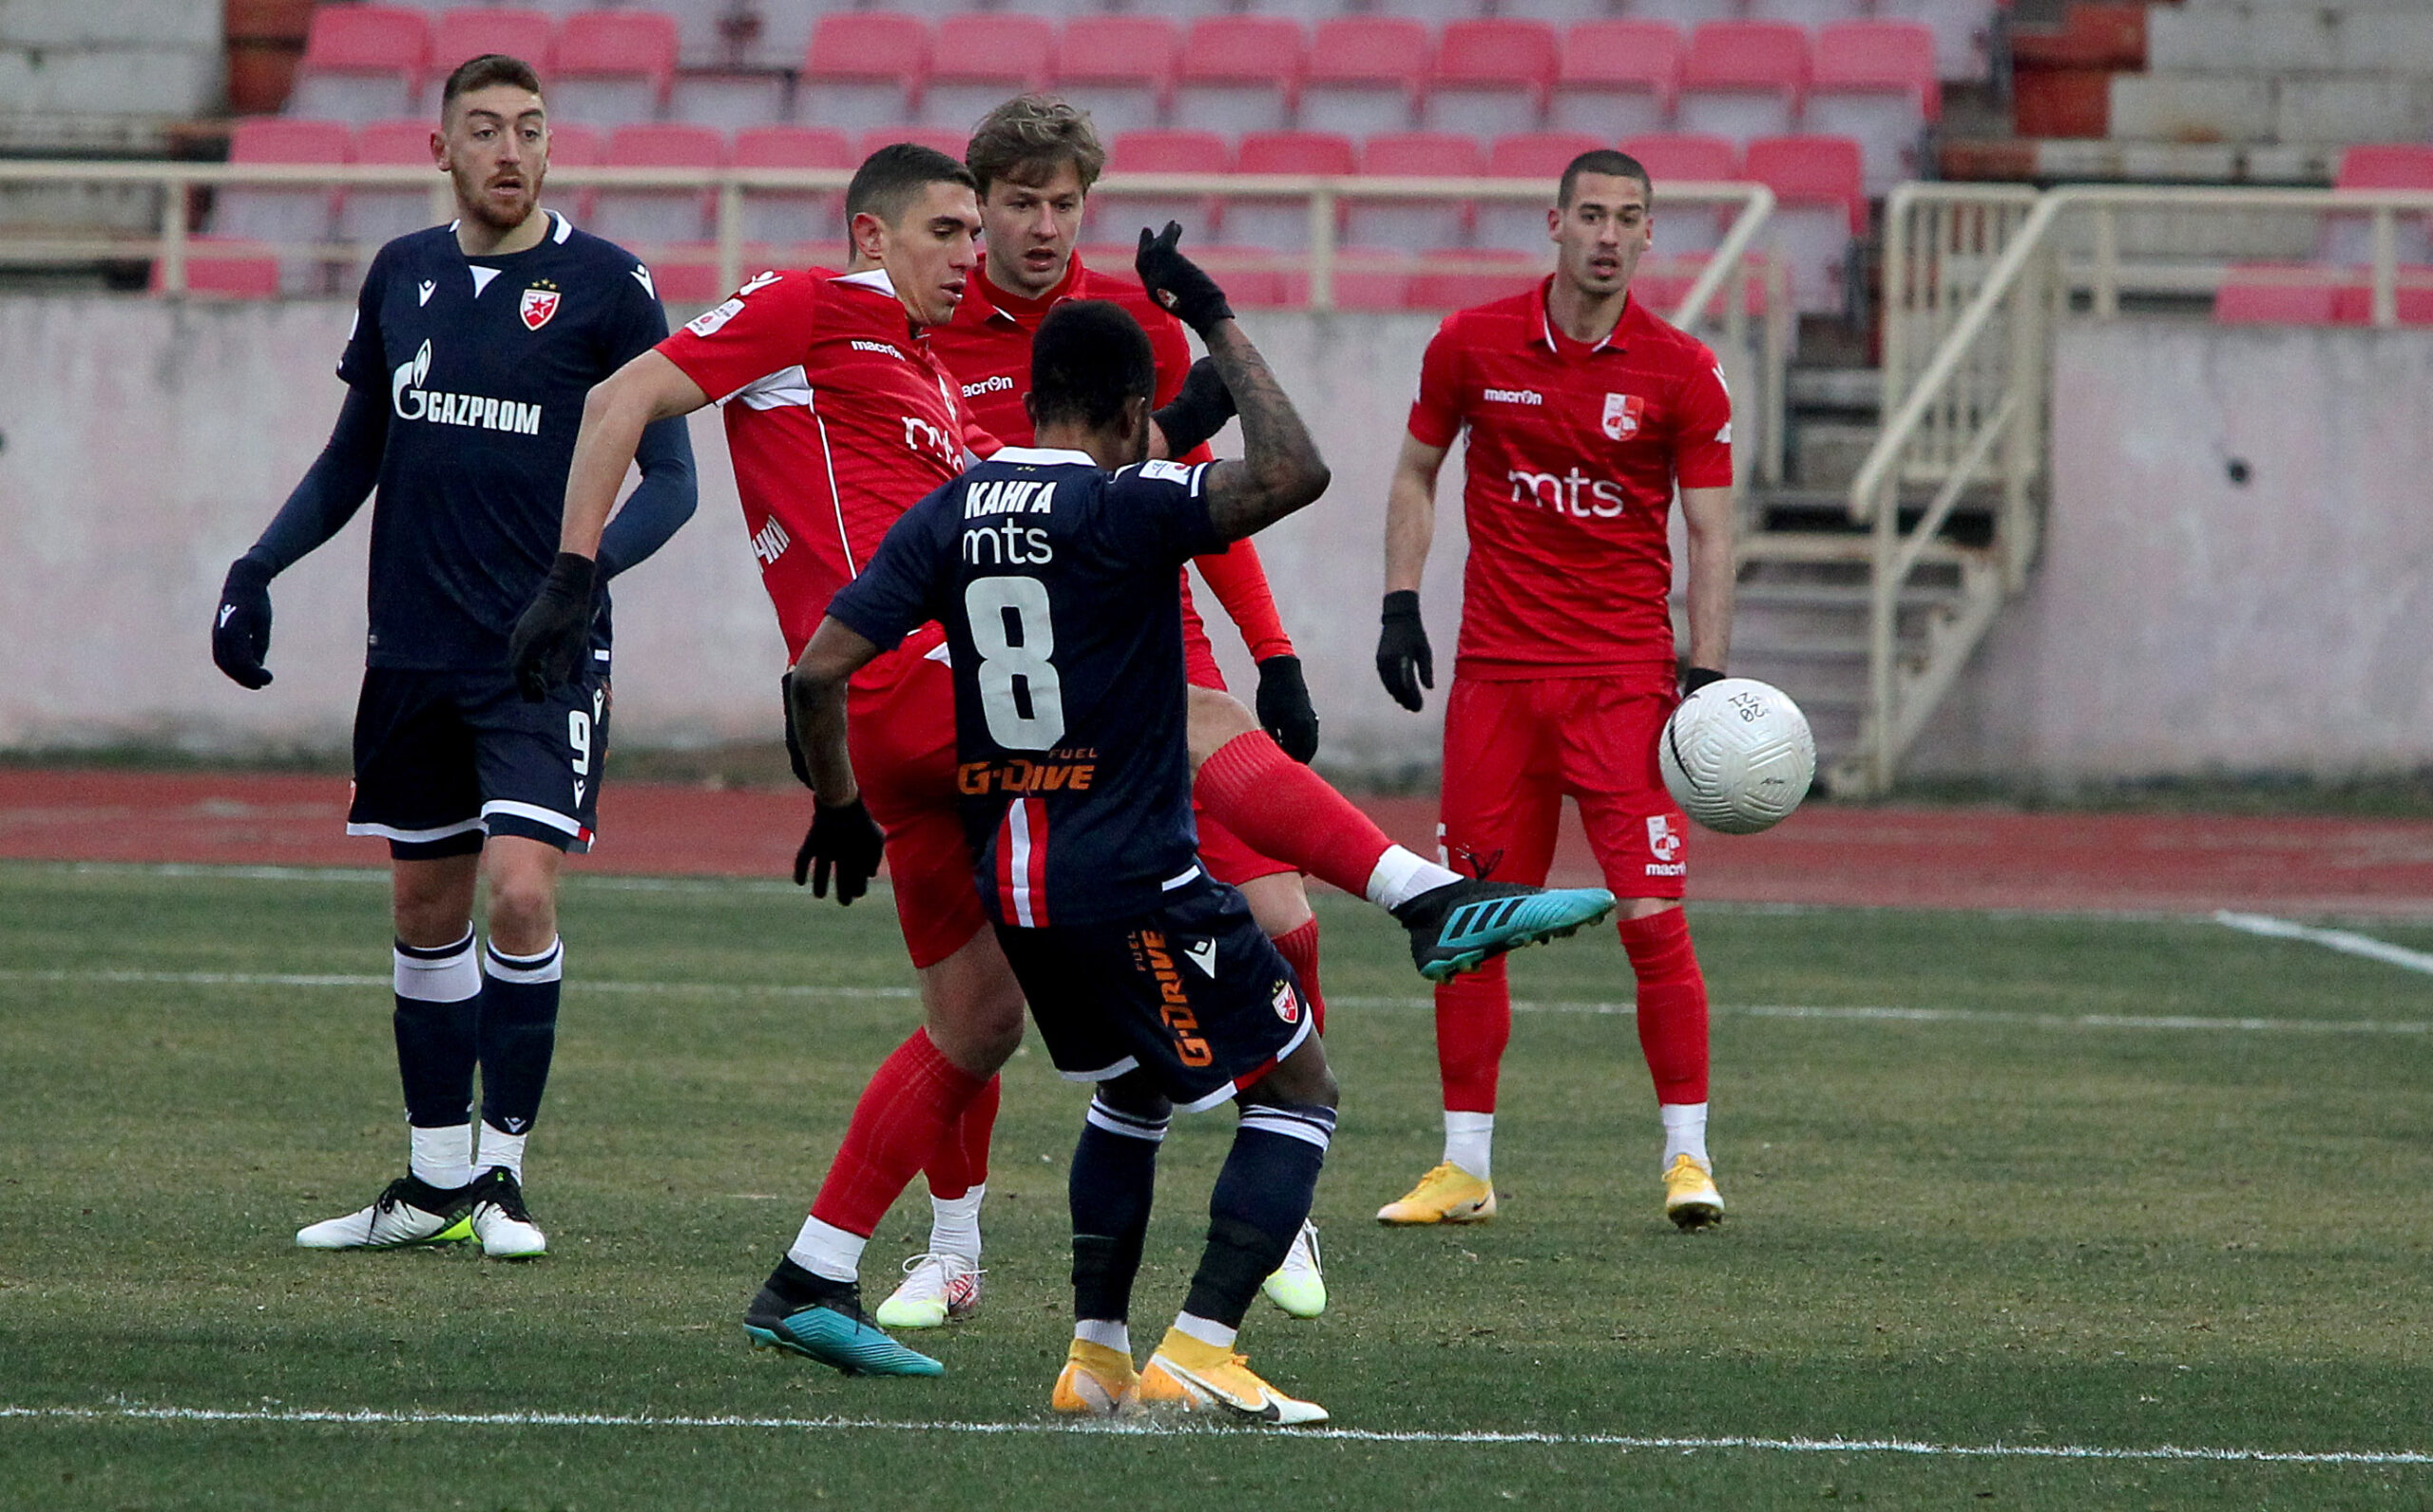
(1463, 924)
(835, 1330)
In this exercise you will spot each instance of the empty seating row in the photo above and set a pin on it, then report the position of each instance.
(2336, 288)
(1823, 205)
(1870, 80)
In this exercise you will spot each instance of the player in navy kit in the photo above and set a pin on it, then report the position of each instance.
(1057, 586)
(473, 345)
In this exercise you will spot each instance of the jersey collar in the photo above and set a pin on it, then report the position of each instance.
(877, 281)
(1617, 338)
(1044, 457)
(1021, 310)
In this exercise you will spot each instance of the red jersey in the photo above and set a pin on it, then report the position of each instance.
(988, 346)
(839, 417)
(1574, 453)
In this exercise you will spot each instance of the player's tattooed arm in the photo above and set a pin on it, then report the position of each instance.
(1281, 470)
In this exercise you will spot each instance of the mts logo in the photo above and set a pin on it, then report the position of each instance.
(931, 440)
(1573, 493)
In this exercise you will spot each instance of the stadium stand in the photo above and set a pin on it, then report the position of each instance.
(1874, 82)
(369, 215)
(1365, 75)
(1491, 78)
(863, 70)
(783, 228)
(1615, 76)
(361, 63)
(1743, 79)
(1115, 213)
(1539, 155)
(267, 213)
(1282, 224)
(980, 59)
(2393, 166)
(468, 32)
(614, 68)
(945, 139)
(670, 229)
(1686, 157)
(1820, 212)
(1124, 65)
(1239, 73)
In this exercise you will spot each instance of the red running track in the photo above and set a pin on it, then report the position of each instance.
(1888, 857)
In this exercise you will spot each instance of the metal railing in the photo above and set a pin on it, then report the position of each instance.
(1976, 279)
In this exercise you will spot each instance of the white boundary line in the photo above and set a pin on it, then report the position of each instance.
(1045, 1428)
(2344, 941)
(1861, 1014)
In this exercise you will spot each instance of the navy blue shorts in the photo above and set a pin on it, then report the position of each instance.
(444, 758)
(1193, 994)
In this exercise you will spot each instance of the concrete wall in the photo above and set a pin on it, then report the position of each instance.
(2178, 622)
(2182, 621)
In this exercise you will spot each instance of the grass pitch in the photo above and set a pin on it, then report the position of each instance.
(1993, 1183)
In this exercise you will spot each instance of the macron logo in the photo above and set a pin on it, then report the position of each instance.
(227, 612)
(1513, 396)
(999, 384)
(881, 348)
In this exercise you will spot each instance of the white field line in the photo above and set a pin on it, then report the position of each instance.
(2344, 941)
(1043, 1428)
(2184, 1023)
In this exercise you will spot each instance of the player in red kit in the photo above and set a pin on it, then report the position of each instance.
(839, 417)
(1584, 414)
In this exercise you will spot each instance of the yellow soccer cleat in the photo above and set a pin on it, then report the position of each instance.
(1690, 1197)
(1200, 1377)
(1446, 1194)
(1097, 1382)
(1299, 1284)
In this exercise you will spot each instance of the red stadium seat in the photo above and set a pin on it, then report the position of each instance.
(2349, 237)
(1365, 75)
(1282, 224)
(369, 216)
(864, 69)
(1124, 66)
(1406, 227)
(1239, 73)
(574, 146)
(980, 59)
(227, 268)
(272, 212)
(2280, 294)
(1616, 78)
(465, 33)
(1118, 214)
(1491, 77)
(614, 66)
(950, 142)
(793, 229)
(361, 63)
(1483, 278)
(1674, 157)
(1875, 83)
(1743, 79)
(1820, 192)
(1520, 225)
(669, 229)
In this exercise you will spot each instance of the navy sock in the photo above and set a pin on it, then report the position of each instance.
(438, 992)
(517, 1032)
(1261, 1201)
(1113, 1185)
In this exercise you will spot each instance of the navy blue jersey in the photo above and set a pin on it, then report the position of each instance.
(484, 363)
(1059, 590)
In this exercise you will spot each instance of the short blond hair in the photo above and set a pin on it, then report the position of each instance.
(1025, 140)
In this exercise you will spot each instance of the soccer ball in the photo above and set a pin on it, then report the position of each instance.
(1738, 755)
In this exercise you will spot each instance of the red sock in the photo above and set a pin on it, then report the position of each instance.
(1280, 808)
(962, 1159)
(1299, 948)
(912, 1101)
(1473, 1023)
(1672, 1004)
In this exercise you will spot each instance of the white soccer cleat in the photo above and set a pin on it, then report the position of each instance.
(1299, 1286)
(502, 1222)
(937, 1289)
(409, 1211)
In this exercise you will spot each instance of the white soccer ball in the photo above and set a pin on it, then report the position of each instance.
(1738, 755)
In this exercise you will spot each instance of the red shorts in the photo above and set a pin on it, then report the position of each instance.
(901, 733)
(1513, 750)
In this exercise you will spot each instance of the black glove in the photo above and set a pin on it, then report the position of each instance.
(794, 737)
(1284, 708)
(844, 836)
(1177, 283)
(1199, 411)
(1404, 663)
(553, 635)
(241, 626)
(1693, 678)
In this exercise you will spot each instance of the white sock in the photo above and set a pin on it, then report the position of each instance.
(501, 1149)
(442, 1157)
(1205, 1330)
(954, 1224)
(825, 1250)
(1469, 1142)
(1401, 876)
(1685, 1132)
(1116, 1336)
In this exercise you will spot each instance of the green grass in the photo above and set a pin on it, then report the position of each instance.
(1995, 1228)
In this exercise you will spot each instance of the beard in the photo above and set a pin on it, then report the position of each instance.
(473, 200)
